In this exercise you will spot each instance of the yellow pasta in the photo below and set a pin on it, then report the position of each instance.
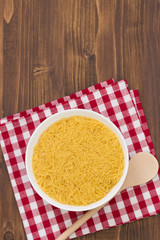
(77, 161)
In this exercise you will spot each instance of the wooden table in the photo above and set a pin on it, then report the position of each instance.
(52, 48)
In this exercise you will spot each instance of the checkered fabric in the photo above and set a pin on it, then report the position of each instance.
(123, 107)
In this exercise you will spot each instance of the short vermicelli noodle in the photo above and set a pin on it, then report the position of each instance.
(78, 160)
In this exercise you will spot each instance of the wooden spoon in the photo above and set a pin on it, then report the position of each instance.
(142, 168)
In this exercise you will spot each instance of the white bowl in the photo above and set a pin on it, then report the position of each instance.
(44, 126)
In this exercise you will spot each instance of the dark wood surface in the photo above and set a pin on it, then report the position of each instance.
(52, 48)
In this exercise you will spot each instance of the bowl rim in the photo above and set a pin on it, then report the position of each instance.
(44, 126)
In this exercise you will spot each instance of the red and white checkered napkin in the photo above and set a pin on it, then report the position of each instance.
(113, 100)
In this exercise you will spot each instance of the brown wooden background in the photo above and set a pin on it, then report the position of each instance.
(52, 48)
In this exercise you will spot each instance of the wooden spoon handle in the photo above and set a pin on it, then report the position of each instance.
(79, 223)
(142, 168)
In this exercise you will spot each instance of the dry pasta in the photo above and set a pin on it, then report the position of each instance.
(77, 161)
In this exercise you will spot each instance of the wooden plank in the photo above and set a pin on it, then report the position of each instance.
(1, 57)
(1, 108)
(10, 221)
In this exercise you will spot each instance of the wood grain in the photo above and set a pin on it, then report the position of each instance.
(1, 57)
(51, 48)
(8, 10)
